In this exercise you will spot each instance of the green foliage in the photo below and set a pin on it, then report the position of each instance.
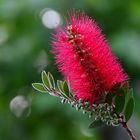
(66, 88)
(129, 109)
(45, 79)
(120, 101)
(51, 80)
(39, 87)
(129, 105)
(130, 93)
(60, 86)
(123, 101)
(48, 84)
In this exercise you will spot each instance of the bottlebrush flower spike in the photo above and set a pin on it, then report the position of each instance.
(85, 58)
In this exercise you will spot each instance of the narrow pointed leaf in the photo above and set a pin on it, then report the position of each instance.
(129, 109)
(39, 87)
(96, 124)
(66, 88)
(51, 80)
(131, 92)
(45, 79)
(60, 85)
(120, 101)
(129, 95)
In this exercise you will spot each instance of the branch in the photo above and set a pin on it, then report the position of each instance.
(128, 130)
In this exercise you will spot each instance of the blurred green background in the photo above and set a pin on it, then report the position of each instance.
(25, 43)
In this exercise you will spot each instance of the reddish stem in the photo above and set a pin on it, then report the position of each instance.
(125, 126)
(129, 131)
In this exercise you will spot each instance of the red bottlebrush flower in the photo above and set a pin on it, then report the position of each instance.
(85, 59)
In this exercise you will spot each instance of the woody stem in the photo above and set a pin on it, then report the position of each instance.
(128, 130)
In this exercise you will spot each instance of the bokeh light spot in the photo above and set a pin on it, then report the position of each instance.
(50, 18)
(20, 106)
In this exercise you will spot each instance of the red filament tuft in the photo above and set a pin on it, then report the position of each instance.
(86, 60)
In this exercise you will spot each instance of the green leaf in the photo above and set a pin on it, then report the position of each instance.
(66, 88)
(45, 79)
(130, 92)
(129, 109)
(109, 98)
(129, 95)
(39, 87)
(96, 124)
(51, 80)
(120, 101)
(60, 85)
(63, 88)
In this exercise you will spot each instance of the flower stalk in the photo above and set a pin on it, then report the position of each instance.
(128, 130)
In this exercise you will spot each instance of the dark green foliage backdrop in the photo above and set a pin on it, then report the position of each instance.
(25, 51)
